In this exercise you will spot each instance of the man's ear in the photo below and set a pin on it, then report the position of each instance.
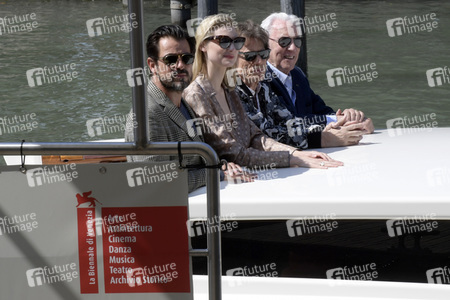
(152, 64)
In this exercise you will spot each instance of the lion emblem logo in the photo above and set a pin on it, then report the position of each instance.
(85, 198)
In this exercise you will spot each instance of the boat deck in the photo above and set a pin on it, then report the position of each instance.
(387, 175)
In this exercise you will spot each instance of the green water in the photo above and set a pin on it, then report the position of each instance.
(60, 110)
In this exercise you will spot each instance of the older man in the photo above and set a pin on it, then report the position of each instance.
(341, 128)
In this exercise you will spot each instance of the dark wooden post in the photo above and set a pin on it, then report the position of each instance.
(207, 8)
(297, 7)
(180, 11)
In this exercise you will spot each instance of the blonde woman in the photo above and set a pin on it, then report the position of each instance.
(225, 125)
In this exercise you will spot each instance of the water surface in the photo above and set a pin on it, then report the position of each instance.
(101, 89)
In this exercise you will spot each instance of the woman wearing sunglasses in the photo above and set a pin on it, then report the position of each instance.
(263, 107)
(213, 98)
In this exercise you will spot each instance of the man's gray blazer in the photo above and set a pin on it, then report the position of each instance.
(167, 124)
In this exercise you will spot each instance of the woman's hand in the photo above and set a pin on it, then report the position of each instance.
(235, 171)
(313, 159)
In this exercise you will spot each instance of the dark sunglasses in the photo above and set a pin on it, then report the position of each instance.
(170, 59)
(225, 41)
(251, 55)
(285, 41)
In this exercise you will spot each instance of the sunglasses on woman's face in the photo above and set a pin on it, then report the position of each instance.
(251, 55)
(171, 59)
(285, 41)
(225, 41)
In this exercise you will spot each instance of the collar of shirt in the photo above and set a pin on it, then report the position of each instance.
(185, 111)
(254, 93)
(279, 74)
(258, 88)
(285, 79)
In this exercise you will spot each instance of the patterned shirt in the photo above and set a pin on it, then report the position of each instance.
(271, 116)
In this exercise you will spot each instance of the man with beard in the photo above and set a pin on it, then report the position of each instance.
(170, 119)
(170, 59)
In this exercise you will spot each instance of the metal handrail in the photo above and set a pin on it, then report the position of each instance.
(141, 146)
(213, 251)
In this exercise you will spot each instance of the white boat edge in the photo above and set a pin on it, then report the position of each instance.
(261, 288)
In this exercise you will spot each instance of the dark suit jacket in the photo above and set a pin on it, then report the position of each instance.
(308, 104)
(167, 124)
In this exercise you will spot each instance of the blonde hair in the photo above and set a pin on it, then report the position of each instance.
(206, 29)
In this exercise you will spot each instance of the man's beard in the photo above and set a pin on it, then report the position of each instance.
(177, 86)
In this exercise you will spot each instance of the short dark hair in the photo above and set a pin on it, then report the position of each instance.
(250, 30)
(174, 31)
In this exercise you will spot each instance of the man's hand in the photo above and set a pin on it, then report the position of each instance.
(335, 135)
(313, 159)
(368, 126)
(349, 115)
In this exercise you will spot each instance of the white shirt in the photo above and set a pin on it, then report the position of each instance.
(287, 82)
